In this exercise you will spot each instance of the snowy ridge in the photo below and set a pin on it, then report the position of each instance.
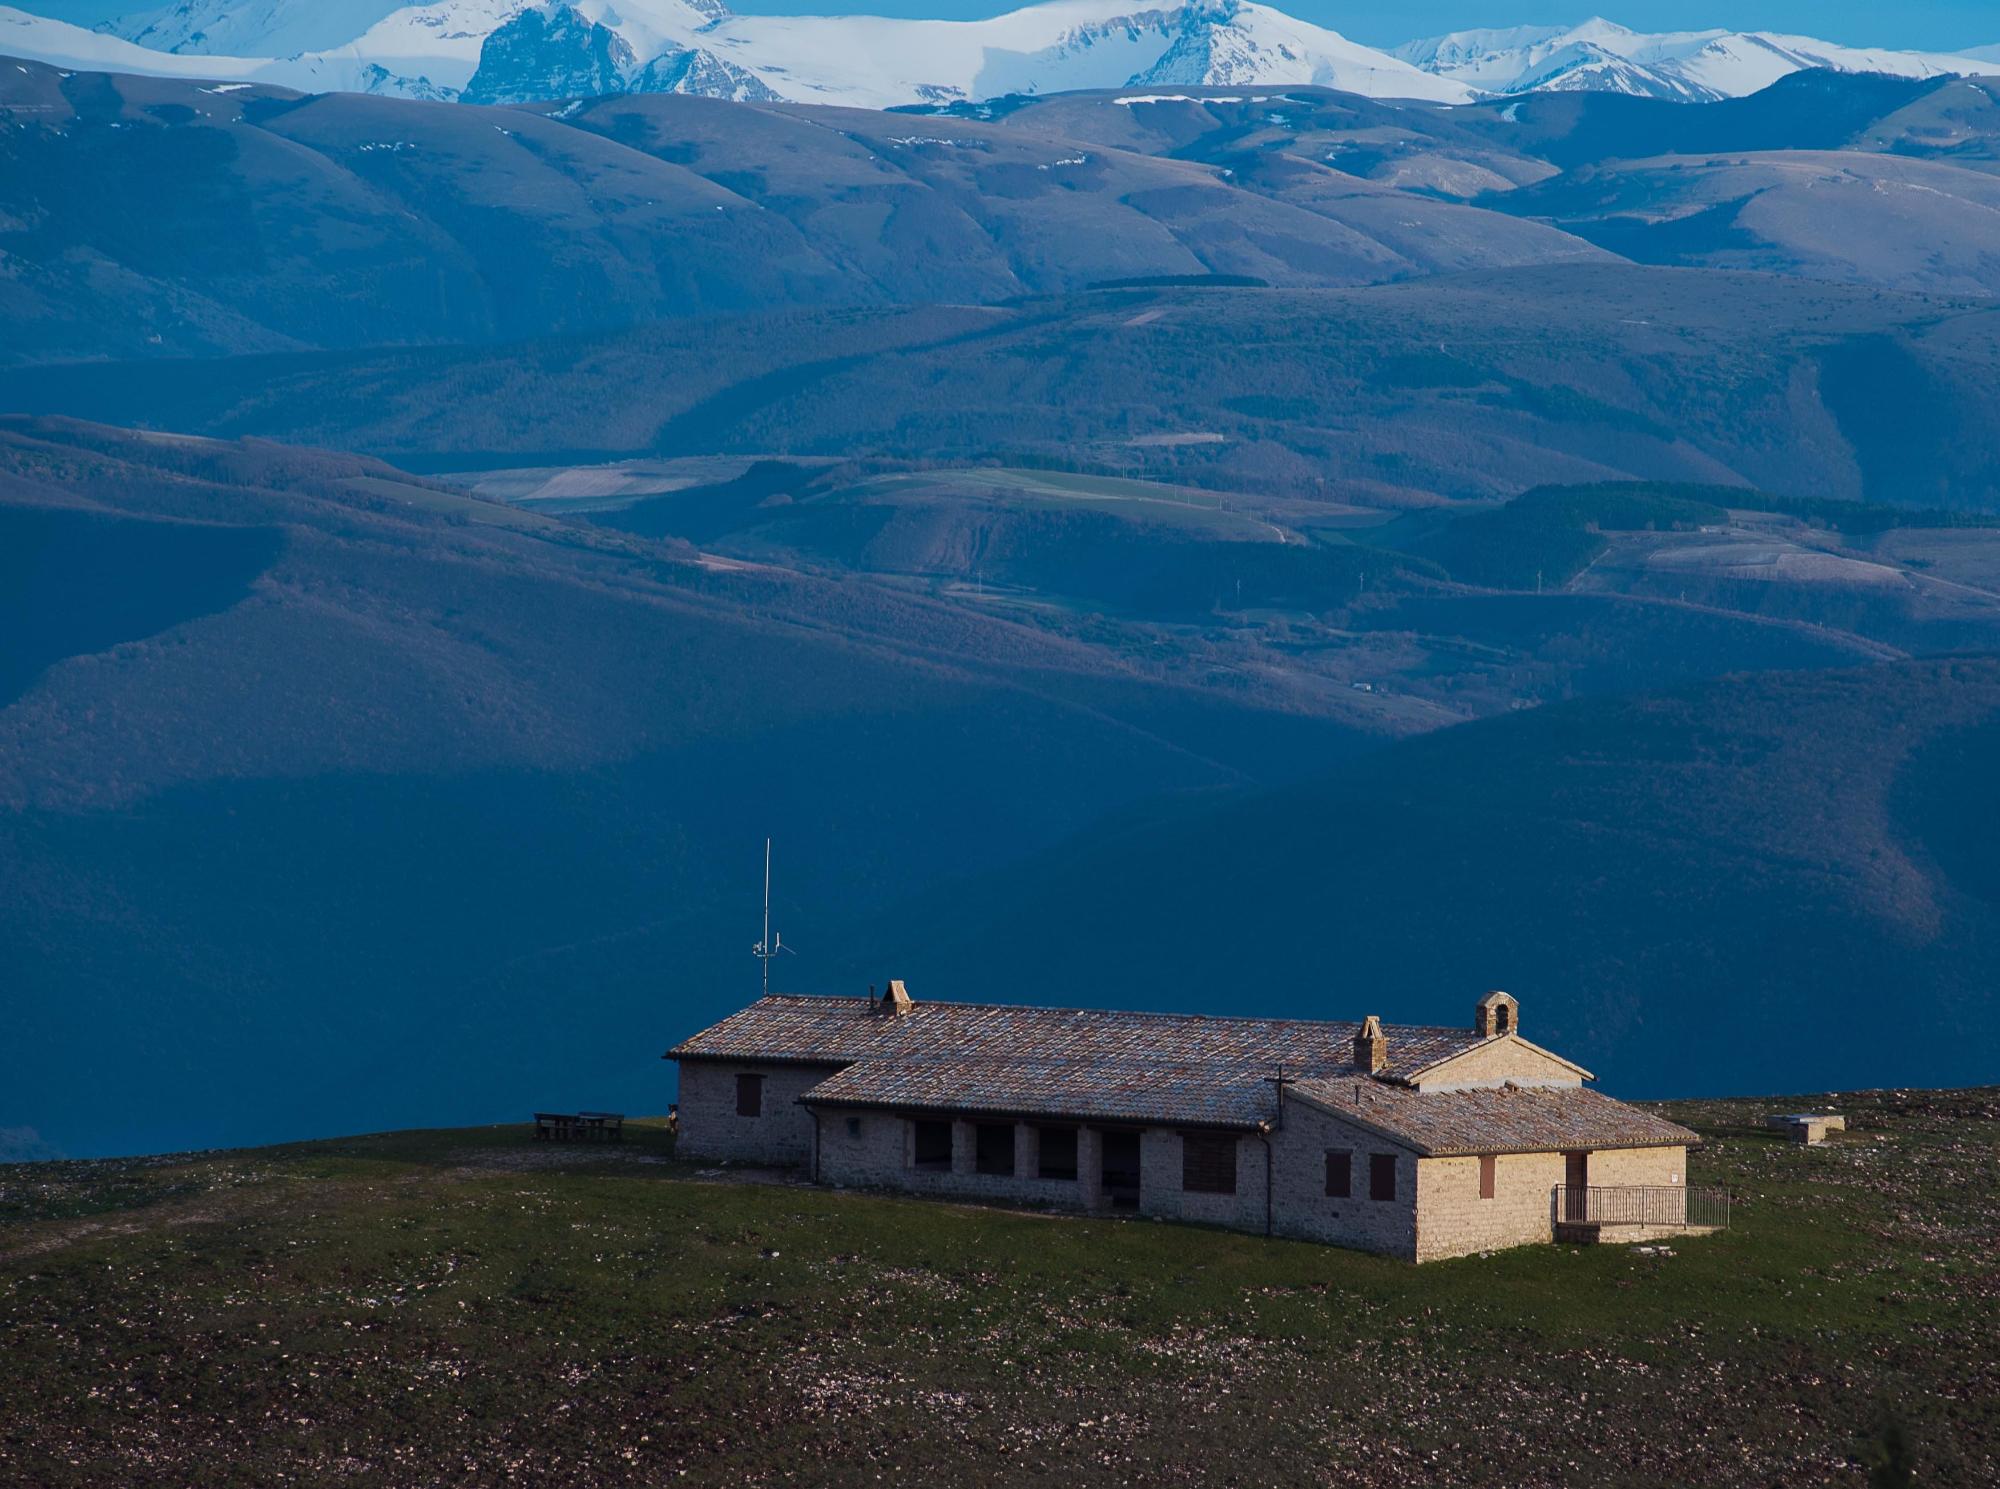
(548, 48)
(506, 50)
(339, 70)
(1695, 66)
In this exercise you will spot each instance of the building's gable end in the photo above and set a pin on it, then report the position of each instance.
(1381, 1131)
(1505, 1059)
(1309, 1134)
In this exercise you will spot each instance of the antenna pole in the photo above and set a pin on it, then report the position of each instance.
(771, 946)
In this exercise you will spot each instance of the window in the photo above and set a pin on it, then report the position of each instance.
(1503, 1019)
(854, 1127)
(1058, 1153)
(993, 1148)
(749, 1095)
(1487, 1162)
(1381, 1175)
(932, 1145)
(1208, 1163)
(1339, 1173)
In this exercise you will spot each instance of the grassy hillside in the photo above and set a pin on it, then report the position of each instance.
(341, 767)
(275, 221)
(1472, 386)
(470, 1306)
(311, 769)
(1682, 888)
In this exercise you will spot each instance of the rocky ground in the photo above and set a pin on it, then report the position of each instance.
(466, 1307)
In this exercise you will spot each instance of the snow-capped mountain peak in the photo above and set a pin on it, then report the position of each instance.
(506, 50)
(1601, 55)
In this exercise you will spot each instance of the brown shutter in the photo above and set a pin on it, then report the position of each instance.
(749, 1095)
(1208, 1163)
(1486, 1163)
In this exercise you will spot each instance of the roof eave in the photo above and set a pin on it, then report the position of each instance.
(1022, 1114)
(711, 1057)
(1478, 1150)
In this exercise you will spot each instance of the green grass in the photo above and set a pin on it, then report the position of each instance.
(1544, 538)
(470, 1307)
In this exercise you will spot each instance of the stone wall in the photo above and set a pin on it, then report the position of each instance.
(1161, 1194)
(1496, 1062)
(1452, 1220)
(877, 1150)
(1614, 1166)
(1300, 1205)
(711, 1130)
(1437, 1210)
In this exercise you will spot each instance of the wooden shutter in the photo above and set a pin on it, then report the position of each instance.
(1486, 1166)
(1381, 1175)
(1339, 1173)
(749, 1095)
(1208, 1163)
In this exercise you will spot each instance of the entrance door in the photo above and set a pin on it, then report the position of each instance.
(1576, 1186)
(1121, 1169)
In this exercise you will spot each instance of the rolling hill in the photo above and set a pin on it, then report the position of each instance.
(369, 771)
(275, 221)
(1684, 889)
(311, 769)
(1460, 387)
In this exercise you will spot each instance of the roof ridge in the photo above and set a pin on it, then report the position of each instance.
(1143, 1013)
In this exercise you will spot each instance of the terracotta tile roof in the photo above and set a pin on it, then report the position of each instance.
(839, 1031)
(1506, 1119)
(1077, 1062)
(1196, 1095)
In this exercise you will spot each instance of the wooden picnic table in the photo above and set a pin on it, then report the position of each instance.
(580, 1127)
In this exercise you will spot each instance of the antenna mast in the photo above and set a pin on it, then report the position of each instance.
(771, 946)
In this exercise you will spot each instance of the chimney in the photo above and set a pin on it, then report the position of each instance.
(1496, 1013)
(1371, 1046)
(896, 1002)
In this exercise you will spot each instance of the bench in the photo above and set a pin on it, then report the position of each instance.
(580, 1127)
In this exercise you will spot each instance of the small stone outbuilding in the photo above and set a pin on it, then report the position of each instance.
(1413, 1141)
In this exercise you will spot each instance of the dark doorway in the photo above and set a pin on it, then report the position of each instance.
(1058, 1153)
(1121, 1169)
(1576, 1186)
(932, 1147)
(993, 1148)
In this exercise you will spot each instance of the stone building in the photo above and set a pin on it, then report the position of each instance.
(1416, 1142)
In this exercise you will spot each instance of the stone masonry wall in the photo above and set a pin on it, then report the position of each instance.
(1301, 1208)
(1160, 1191)
(1496, 1062)
(1638, 1166)
(1452, 1220)
(711, 1130)
(876, 1150)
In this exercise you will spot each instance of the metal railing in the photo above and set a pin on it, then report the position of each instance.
(1641, 1204)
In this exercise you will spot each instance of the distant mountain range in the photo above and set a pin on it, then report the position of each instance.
(1696, 66)
(494, 51)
